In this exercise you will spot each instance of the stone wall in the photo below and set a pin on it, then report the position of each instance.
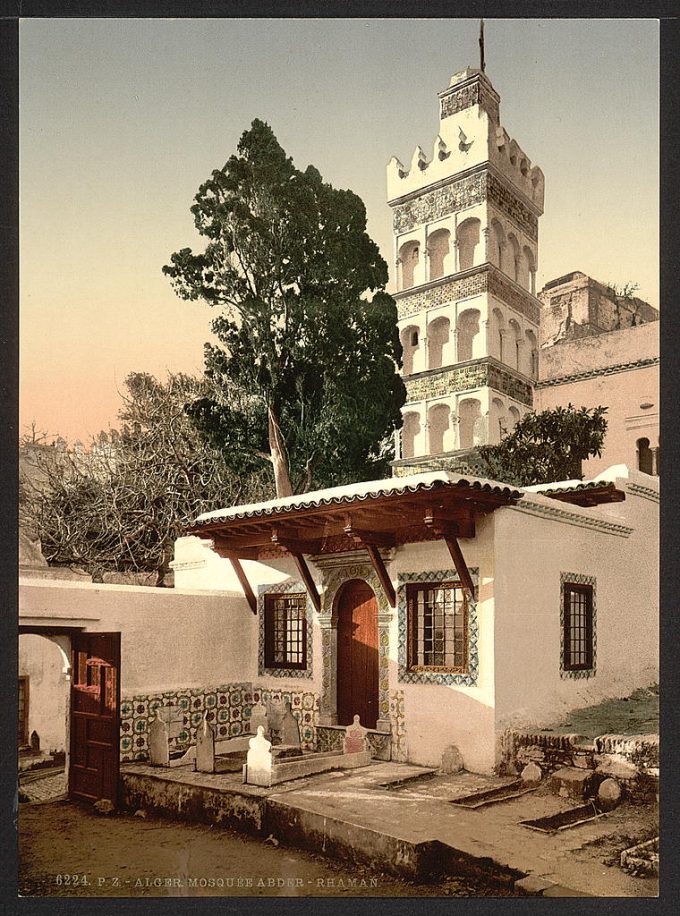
(479, 374)
(460, 193)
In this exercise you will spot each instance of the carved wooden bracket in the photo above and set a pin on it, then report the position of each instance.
(245, 585)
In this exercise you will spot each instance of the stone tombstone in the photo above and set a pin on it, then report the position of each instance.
(355, 738)
(205, 747)
(258, 769)
(159, 753)
(275, 719)
(258, 716)
(452, 760)
(532, 774)
(609, 794)
(290, 729)
(173, 716)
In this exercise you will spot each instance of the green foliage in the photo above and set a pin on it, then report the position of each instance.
(121, 504)
(305, 376)
(546, 447)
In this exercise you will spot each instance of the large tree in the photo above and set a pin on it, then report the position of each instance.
(120, 504)
(546, 447)
(305, 376)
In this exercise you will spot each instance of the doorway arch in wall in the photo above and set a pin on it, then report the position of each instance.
(356, 610)
(334, 580)
(438, 336)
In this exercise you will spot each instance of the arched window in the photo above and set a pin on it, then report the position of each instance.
(438, 333)
(531, 355)
(438, 248)
(529, 270)
(409, 431)
(468, 328)
(513, 267)
(497, 326)
(512, 358)
(438, 420)
(645, 458)
(409, 256)
(469, 414)
(410, 342)
(513, 415)
(498, 423)
(497, 242)
(467, 235)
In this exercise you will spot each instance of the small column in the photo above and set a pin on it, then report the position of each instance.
(485, 244)
(328, 702)
(655, 461)
(454, 336)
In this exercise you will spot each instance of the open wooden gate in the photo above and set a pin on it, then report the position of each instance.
(95, 720)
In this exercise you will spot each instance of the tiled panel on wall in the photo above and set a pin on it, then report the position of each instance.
(227, 707)
(305, 707)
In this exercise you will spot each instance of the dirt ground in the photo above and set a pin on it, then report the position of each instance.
(68, 850)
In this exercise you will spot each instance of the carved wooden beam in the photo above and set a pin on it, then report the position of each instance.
(463, 526)
(229, 550)
(381, 573)
(307, 578)
(245, 585)
(460, 564)
(294, 545)
(364, 537)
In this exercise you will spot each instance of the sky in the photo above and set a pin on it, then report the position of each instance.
(121, 120)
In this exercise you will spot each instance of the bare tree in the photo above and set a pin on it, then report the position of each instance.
(120, 504)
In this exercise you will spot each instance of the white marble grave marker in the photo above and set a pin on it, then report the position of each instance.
(259, 760)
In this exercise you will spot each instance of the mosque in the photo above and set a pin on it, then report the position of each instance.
(441, 608)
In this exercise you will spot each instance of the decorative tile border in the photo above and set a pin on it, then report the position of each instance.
(330, 738)
(398, 721)
(433, 677)
(290, 585)
(227, 707)
(577, 579)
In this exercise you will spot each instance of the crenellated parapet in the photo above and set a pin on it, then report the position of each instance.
(469, 134)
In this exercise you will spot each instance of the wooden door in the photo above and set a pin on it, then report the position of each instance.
(357, 671)
(95, 720)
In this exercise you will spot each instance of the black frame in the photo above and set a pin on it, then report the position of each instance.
(270, 630)
(583, 628)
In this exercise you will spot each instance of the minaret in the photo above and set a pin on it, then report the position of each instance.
(465, 221)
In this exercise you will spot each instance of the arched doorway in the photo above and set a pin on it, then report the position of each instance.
(357, 653)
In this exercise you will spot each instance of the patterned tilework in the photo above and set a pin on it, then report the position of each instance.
(304, 705)
(398, 722)
(291, 585)
(330, 738)
(427, 677)
(577, 579)
(227, 706)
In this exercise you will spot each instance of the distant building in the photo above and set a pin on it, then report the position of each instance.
(598, 347)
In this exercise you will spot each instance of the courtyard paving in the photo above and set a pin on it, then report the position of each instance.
(356, 804)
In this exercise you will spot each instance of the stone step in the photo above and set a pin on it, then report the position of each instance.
(571, 782)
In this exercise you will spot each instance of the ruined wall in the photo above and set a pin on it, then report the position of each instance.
(577, 306)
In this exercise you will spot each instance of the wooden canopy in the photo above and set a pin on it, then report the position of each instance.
(437, 507)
